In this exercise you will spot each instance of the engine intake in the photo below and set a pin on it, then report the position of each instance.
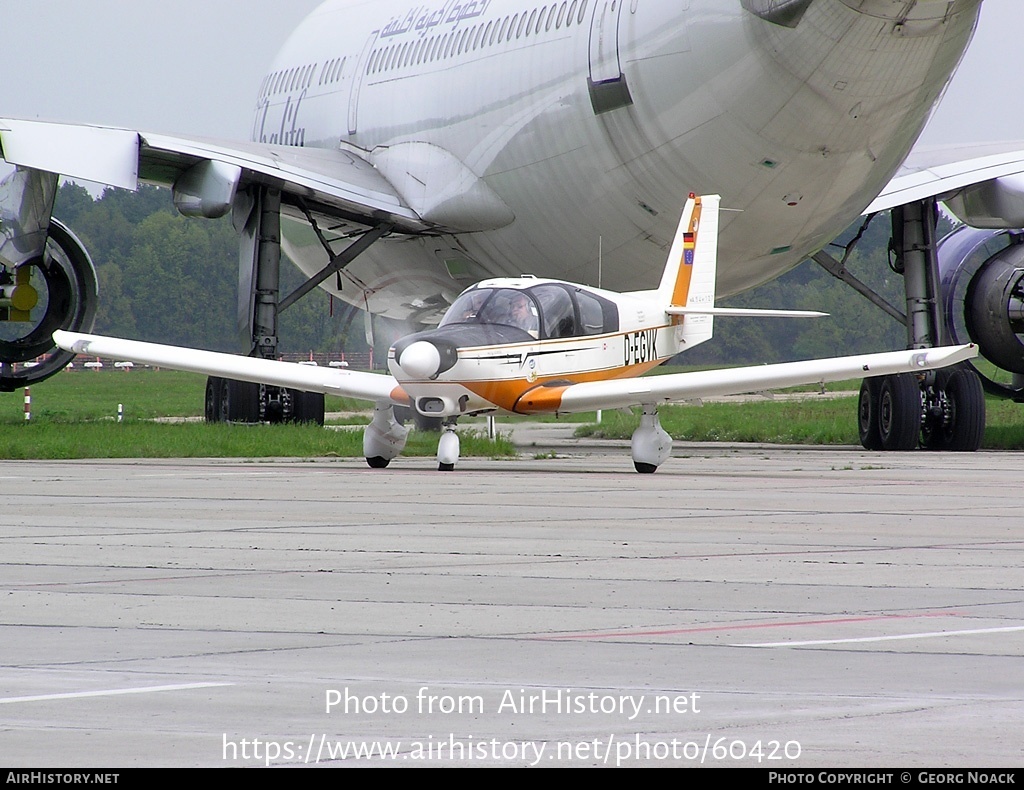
(63, 280)
(983, 295)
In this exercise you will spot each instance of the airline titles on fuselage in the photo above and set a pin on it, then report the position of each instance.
(421, 20)
(289, 132)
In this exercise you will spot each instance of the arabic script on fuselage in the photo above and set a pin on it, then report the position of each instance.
(423, 19)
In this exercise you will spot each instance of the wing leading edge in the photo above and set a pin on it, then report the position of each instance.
(379, 388)
(653, 390)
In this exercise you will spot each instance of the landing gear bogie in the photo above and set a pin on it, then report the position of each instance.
(228, 400)
(898, 413)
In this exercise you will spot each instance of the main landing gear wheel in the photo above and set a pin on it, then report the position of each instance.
(867, 415)
(956, 414)
(239, 401)
(889, 413)
(307, 406)
(384, 438)
(231, 401)
(899, 412)
(650, 445)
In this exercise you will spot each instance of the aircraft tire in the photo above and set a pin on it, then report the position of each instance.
(965, 427)
(240, 401)
(378, 462)
(446, 467)
(214, 386)
(645, 469)
(307, 407)
(867, 415)
(899, 413)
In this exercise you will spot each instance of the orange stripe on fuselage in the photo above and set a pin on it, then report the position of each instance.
(511, 394)
(682, 288)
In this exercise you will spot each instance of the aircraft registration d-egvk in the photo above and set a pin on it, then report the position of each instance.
(403, 150)
(536, 346)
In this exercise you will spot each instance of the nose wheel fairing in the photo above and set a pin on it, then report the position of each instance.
(448, 447)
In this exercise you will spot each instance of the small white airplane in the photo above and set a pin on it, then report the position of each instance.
(536, 346)
(401, 151)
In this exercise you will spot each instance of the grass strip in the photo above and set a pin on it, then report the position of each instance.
(829, 421)
(141, 439)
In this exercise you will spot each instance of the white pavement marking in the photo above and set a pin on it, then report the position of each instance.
(112, 692)
(928, 635)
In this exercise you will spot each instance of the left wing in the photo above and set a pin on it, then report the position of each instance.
(379, 388)
(653, 390)
(331, 181)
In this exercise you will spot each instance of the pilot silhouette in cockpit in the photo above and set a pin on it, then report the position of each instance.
(523, 314)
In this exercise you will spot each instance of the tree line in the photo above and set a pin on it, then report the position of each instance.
(169, 279)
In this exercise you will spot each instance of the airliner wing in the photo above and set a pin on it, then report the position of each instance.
(379, 388)
(653, 390)
(333, 181)
(942, 170)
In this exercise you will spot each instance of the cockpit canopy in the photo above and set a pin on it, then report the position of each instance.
(547, 311)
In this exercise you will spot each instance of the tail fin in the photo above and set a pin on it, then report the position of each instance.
(689, 278)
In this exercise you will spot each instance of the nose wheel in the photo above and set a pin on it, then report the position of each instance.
(448, 448)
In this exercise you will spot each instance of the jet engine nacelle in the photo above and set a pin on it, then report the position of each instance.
(982, 274)
(63, 282)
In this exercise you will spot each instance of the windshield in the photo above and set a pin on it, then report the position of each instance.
(495, 306)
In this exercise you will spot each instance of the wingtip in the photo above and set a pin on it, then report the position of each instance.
(71, 341)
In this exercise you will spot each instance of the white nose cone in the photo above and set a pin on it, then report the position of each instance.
(421, 360)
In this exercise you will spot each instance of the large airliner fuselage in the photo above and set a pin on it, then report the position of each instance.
(560, 138)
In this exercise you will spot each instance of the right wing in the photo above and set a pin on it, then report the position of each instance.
(954, 172)
(653, 390)
(376, 387)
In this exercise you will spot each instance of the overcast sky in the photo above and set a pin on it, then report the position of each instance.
(193, 66)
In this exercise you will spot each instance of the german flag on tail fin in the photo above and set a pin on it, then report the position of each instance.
(689, 278)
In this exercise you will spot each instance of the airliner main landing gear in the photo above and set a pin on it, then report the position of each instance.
(944, 411)
(651, 445)
(257, 217)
